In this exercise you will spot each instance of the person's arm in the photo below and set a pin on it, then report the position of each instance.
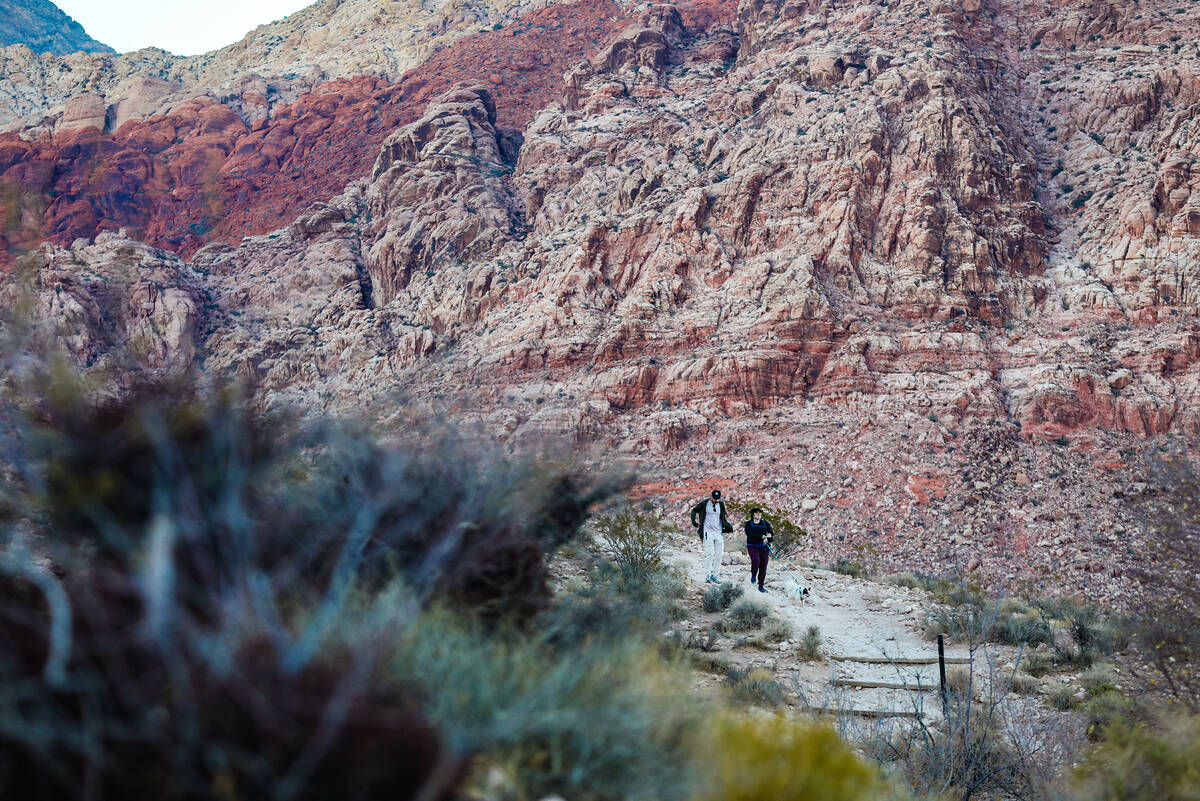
(770, 531)
(696, 510)
(726, 526)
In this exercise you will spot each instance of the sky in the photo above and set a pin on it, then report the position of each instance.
(184, 27)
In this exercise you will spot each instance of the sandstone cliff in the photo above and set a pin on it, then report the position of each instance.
(923, 272)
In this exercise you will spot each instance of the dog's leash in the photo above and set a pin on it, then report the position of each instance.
(787, 567)
(775, 556)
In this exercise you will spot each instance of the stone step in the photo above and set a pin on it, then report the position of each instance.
(879, 702)
(899, 660)
(874, 712)
(887, 684)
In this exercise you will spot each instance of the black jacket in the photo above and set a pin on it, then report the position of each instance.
(700, 511)
(756, 533)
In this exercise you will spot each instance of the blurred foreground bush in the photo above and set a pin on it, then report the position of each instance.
(1139, 763)
(177, 581)
(777, 759)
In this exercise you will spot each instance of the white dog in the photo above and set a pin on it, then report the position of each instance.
(797, 590)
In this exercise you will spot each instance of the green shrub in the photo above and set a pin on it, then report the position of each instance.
(719, 597)
(708, 662)
(1038, 664)
(1138, 763)
(848, 567)
(1016, 628)
(1061, 697)
(810, 645)
(590, 721)
(1104, 709)
(788, 535)
(757, 687)
(230, 590)
(635, 538)
(745, 615)
(1098, 680)
(776, 630)
(1023, 685)
(778, 759)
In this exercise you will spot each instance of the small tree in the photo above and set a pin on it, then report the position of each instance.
(1168, 637)
(788, 535)
(635, 539)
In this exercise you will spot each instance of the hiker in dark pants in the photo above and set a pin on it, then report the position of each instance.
(758, 536)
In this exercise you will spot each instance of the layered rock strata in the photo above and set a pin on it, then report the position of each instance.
(923, 273)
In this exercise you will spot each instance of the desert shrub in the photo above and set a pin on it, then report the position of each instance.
(1139, 763)
(967, 622)
(907, 579)
(1073, 657)
(209, 629)
(605, 605)
(776, 630)
(789, 536)
(959, 680)
(745, 615)
(235, 486)
(1038, 664)
(757, 687)
(1106, 708)
(848, 567)
(706, 640)
(719, 597)
(708, 662)
(1168, 607)
(1091, 631)
(635, 538)
(969, 755)
(970, 618)
(1012, 606)
(1023, 685)
(1017, 628)
(755, 759)
(1061, 697)
(810, 645)
(592, 721)
(1098, 680)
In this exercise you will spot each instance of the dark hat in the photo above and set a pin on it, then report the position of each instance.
(716, 493)
(755, 509)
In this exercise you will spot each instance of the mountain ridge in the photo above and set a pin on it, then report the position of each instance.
(44, 28)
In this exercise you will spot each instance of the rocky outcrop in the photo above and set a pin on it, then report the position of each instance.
(44, 28)
(117, 306)
(437, 193)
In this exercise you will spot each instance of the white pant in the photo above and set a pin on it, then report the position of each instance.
(714, 548)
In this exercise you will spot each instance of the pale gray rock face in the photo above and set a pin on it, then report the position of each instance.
(117, 306)
(44, 28)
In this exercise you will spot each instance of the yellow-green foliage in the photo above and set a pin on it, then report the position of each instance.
(777, 759)
(1137, 763)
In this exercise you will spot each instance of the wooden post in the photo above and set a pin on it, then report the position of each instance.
(942, 670)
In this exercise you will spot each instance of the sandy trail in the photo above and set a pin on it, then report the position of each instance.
(864, 625)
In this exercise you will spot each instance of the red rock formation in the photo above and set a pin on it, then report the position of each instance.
(202, 173)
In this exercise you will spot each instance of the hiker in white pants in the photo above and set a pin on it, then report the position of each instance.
(710, 522)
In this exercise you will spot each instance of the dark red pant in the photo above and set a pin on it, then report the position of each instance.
(758, 563)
